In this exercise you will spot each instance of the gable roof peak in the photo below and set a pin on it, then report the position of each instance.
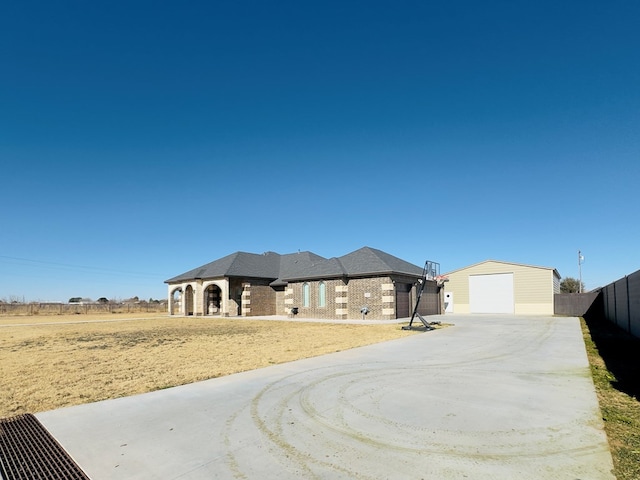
(371, 261)
(503, 262)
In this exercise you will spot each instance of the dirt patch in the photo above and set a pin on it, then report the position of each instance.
(47, 363)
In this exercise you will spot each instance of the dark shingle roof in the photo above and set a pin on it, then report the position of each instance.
(281, 269)
(370, 261)
(239, 264)
(298, 265)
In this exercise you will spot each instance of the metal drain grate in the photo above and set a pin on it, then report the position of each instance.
(29, 452)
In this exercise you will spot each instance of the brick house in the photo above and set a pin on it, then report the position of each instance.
(248, 284)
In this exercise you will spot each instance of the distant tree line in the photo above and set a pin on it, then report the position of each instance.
(12, 299)
(105, 300)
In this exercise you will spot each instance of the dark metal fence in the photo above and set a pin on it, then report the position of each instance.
(622, 303)
(618, 302)
(576, 304)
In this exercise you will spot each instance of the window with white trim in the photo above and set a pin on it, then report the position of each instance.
(305, 295)
(322, 294)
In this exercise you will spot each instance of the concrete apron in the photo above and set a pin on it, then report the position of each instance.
(493, 397)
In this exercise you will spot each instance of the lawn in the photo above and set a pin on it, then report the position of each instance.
(48, 362)
(615, 367)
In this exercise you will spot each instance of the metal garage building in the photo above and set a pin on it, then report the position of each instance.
(501, 287)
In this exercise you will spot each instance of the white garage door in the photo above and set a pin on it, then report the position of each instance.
(491, 293)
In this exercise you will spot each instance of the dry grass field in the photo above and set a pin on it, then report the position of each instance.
(48, 362)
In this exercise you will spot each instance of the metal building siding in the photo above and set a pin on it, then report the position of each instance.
(534, 291)
(533, 286)
(458, 283)
(556, 283)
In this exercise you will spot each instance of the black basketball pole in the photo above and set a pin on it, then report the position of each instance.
(422, 283)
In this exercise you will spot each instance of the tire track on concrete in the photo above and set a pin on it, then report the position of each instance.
(313, 435)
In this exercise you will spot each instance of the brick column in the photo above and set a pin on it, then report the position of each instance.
(246, 299)
(388, 301)
(288, 300)
(341, 302)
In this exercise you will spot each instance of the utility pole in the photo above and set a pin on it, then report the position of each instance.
(580, 260)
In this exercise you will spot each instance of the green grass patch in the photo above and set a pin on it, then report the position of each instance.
(614, 357)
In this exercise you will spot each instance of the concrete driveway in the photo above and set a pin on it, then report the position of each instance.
(493, 397)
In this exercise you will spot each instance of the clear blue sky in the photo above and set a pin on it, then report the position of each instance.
(141, 139)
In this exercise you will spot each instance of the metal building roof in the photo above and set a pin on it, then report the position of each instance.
(555, 272)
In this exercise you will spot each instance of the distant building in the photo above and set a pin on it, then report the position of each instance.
(502, 287)
(306, 284)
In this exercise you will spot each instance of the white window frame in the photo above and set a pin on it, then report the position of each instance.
(322, 295)
(306, 294)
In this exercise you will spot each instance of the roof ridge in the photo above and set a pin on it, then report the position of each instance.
(501, 261)
(298, 265)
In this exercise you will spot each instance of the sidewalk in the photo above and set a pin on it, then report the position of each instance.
(493, 397)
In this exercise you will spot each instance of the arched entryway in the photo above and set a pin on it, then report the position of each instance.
(175, 302)
(212, 300)
(188, 300)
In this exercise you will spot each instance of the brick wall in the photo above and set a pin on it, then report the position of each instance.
(335, 299)
(377, 294)
(235, 297)
(344, 300)
(279, 299)
(258, 298)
